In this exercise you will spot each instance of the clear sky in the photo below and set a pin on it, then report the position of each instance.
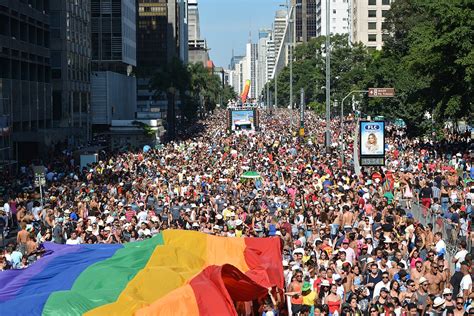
(225, 24)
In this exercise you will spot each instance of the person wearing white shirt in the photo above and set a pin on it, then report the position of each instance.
(384, 283)
(460, 255)
(6, 209)
(440, 246)
(466, 281)
(142, 215)
(73, 240)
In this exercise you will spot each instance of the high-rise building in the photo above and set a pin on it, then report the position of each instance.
(252, 68)
(279, 27)
(307, 13)
(159, 39)
(113, 95)
(368, 18)
(266, 58)
(198, 50)
(113, 29)
(25, 79)
(71, 66)
(339, 11)
(156, 43)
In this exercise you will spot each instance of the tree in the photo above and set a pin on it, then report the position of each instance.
(172, 80)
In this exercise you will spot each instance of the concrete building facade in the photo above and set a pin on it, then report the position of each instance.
(25, 80)
(339, 14)
(368, 18)
(71, 67)
(113, 94)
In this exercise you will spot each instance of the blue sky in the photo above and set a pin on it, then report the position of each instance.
(225, 24)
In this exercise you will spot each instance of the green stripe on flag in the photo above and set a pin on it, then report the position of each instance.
(103, 282)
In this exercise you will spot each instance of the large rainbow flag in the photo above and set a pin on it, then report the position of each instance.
(174, 273)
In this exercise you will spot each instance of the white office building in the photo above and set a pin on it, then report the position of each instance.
(339, 16)
(368, 18)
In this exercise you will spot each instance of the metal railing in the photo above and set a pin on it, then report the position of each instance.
(451, 231)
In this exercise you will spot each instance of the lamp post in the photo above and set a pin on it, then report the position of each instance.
(356, 135)
(328, 78)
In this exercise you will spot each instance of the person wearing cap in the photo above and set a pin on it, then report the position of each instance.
(309, 298)
(421, 295)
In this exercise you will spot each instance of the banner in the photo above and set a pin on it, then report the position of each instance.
(372, 143)
(245, 93)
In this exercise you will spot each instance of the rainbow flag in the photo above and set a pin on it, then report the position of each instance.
(174, 273)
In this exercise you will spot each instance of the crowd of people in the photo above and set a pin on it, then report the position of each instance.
(351, 244)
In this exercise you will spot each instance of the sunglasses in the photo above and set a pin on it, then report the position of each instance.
(459, 303)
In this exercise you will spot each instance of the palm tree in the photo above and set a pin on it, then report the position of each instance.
(173, 79)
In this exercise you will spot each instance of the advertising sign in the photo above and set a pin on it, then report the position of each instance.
(372, 143)
(243, 119)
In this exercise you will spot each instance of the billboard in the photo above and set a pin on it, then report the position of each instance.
(372, 143)
(243, 119)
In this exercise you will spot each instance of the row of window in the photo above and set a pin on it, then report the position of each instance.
(373, 26)
(373, 13)
(382, 2)
(373, 37)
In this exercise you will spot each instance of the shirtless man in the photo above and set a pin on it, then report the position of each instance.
(435, 280)
(22, 237)
(417, 272)
(347, 216)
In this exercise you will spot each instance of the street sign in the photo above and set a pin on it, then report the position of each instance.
(381, 92)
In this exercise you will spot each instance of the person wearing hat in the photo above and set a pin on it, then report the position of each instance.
(450, 302)
(421, 295)
(439, 305)
(309, 298)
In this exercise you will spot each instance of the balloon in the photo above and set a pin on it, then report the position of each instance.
(146, 148)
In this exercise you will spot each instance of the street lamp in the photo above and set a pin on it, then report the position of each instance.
(355, 155)
(328, 77)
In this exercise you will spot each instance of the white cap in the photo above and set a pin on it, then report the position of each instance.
(238, 222)
(219, 216)
(217, 227)
(195, 225)
(285, 263)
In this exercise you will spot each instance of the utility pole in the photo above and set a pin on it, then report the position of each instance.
(328, 77)
(276, 87)
(290, 56)
(302, 106)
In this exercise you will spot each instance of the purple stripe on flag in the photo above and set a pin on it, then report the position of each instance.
(12, 281)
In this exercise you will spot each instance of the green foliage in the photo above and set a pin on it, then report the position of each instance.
(147, 129)
(194, 84)
(428, 57)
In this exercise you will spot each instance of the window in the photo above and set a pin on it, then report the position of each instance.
(372, 25)
(385, 2)
(372, 37)
(384, 26)
(372, 13)
(372, 2)
(385, 37)
(334, 11)
(384, 13)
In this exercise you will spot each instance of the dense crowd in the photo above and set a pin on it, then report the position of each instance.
(351, 244)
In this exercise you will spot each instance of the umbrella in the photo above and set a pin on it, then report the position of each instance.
(250, 175)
